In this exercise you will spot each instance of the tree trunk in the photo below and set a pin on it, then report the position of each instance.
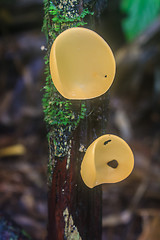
(74, 210)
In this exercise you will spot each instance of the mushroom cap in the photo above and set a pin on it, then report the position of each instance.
(82, 64)
(109, 159)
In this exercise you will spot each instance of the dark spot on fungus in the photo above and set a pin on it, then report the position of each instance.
(107, 142)
(105, 76)
(113, 163)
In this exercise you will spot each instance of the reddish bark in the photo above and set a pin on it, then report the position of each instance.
(68, 190)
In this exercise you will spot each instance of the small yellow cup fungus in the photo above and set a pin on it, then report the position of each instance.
(108, 159)
(82, 64)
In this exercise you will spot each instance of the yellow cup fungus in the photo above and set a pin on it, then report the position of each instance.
(82, 64)
(108, 159)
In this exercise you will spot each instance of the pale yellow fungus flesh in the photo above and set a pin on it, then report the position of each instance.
(109, 159)
(82, 64)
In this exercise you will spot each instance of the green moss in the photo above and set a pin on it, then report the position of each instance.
(60, 116)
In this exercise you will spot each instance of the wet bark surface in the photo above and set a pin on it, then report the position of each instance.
(68, 190)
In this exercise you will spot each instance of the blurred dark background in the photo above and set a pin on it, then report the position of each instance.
(23, 184)
(131, 209)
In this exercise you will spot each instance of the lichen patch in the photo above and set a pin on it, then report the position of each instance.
(70, 230)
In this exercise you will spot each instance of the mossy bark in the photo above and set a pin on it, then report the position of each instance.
(74, 210)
